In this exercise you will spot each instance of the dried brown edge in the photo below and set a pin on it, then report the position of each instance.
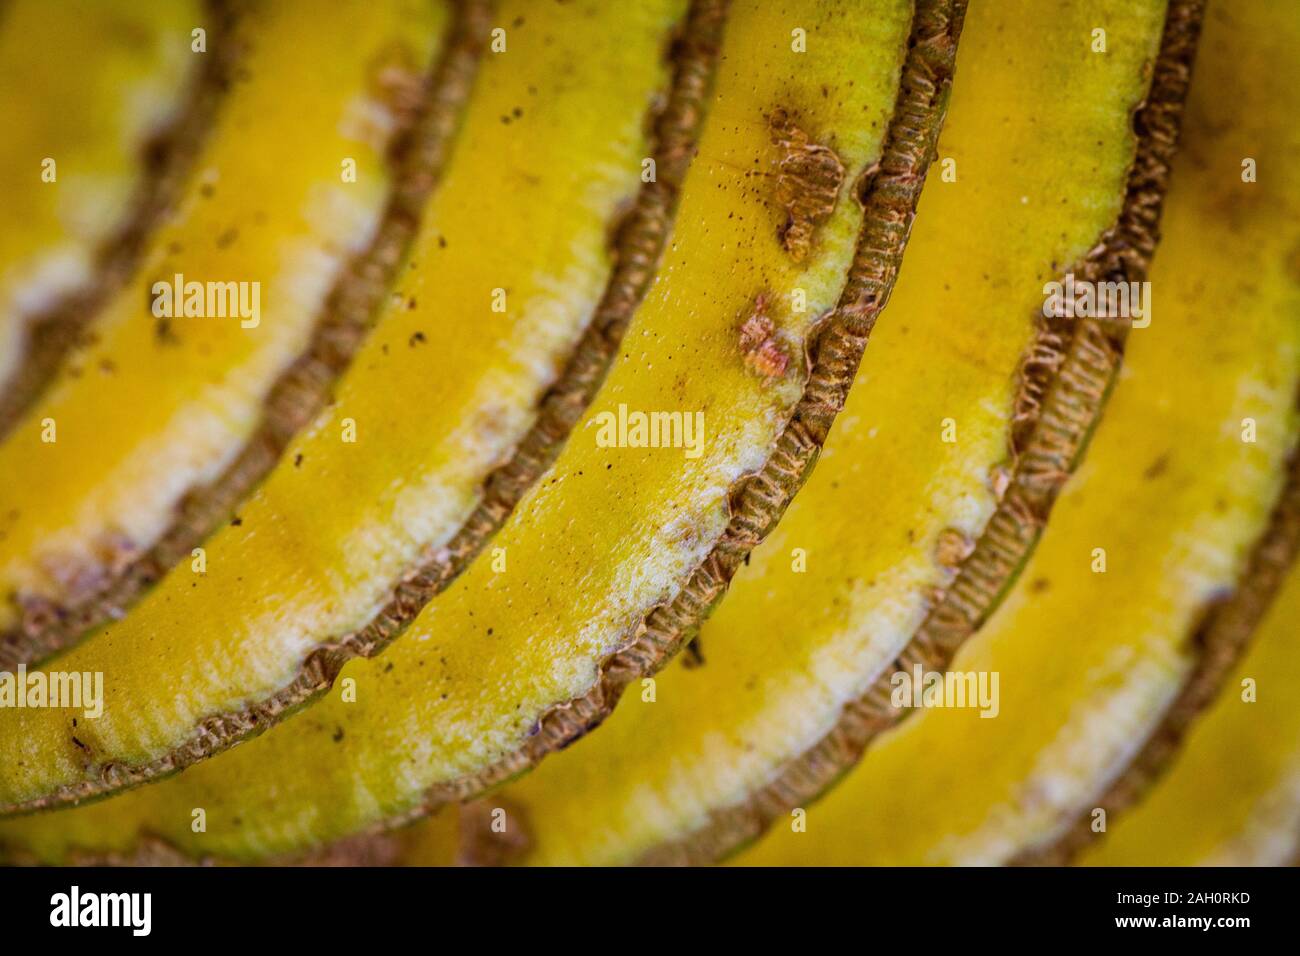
(1224, 634)
(167, 159)
(1064, 381)
(888, 194)
(418, 150)
(638, 244)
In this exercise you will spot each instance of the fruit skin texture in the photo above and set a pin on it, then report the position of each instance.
(661, 546)
(91, 85)
(360, 768)
(1167, 474)
(158, 405)
(678, 780)
(326, 559)
(1095, 717)
(423, 113)
(1230, 797)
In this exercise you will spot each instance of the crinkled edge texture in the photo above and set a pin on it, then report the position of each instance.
(1224, 634)
(428, 115)
(639, 239)
(1065, 378)
(888, 193)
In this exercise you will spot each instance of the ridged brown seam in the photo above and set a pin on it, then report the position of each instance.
(168, 159)
(889, 195)
(429, 116)
(639, 241)
(1227, 629)
(1065, 378)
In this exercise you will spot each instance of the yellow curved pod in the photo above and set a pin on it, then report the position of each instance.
(829, 599)
(550, 150)
(609, 531)
(164, 398)
(1173, 494)
(1232, 795)
(84, 84)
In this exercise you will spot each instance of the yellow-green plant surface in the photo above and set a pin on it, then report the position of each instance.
(1232, 795)
(1088, 660)
(84, 83)
(158, 405)
(616, 529)
(789, 647)
(439, 394)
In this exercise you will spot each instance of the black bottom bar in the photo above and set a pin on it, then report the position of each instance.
(368, 906)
